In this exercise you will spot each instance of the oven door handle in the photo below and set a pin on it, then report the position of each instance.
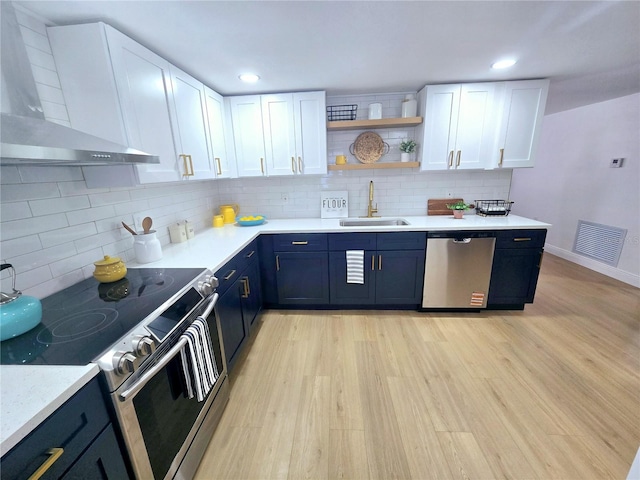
(144, 379)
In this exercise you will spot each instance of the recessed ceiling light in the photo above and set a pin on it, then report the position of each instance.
(503, 64)
(249, 77)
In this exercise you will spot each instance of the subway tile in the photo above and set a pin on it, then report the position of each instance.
(46, 76)
(30, 278)
(58, 205)
(35, 39)
(90, 214)
(46, 174)
(32, 191)
(30, 226)
(68, 234)
(62, 267)
(110, 198)
(54, 111)
(51, 94)
(19, 246)
(9, 174)
(14, 211)
(40, 58)
(30, 22)
(43, 289)
(68, 189)
(88, 243)
(43, 257)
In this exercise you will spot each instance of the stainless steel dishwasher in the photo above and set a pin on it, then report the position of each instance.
(458, 269)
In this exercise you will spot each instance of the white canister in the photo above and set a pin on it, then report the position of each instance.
(375, 111)
(177, 233)
(147, 247)
(188, 227)
(409, 106)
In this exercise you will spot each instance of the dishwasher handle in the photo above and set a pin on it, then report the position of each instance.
(461, 240)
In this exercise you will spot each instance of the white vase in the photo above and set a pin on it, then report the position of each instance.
(405, 157)
(147, 247)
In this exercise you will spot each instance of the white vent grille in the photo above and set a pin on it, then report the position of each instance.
(600, 242)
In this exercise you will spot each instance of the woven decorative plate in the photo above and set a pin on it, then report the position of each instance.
(369, 147)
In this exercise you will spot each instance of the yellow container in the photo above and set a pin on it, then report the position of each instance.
(230, 212)
(218, 221)
(111, 269)
(341, 159)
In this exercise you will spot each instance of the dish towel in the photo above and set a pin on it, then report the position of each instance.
(355, 266)
(198, 362)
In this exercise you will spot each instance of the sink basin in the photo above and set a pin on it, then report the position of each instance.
(372, 222)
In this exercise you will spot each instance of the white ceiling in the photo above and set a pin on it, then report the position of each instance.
(589, 50)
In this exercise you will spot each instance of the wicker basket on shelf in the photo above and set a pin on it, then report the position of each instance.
(369, 147)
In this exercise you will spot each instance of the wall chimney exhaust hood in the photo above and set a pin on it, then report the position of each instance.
(25, 136)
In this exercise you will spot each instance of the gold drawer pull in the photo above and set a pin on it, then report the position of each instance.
(262, 165)
(522, 239)
(219, 166)
(245, 286)
(55, 453)
(293, 165)
(300, 165)
(451, 158)
(501, 157)
(299, 243)
(250, 254)
(278, 263)
(458, 158)
(373, 262)
(540, 261)
(379, 262)
(231, 274)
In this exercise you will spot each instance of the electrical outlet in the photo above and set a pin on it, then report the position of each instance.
(285, 198)
(616, 162)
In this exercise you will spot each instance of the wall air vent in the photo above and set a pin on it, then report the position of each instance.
(600, 242)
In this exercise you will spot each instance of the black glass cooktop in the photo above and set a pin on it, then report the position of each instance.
(82, 321)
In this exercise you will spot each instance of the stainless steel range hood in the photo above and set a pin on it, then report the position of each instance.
(25, 136)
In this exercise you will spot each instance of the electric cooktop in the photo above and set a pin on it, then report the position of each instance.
(82, 321)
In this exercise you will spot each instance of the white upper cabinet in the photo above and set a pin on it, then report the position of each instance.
(458, 126)
(293, 135)
(520, 119)
(224, 164)
(246, 116)
(192, 134)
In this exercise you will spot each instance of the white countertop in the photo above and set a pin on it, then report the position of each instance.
(29, 394)
(213, 247)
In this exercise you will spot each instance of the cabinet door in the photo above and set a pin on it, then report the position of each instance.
(251, 294)
(520, 123)
(311, 132)
(191, 136)
(440, 125)
(475, 129)
(224, 165)
(514, 276)
(302, 277)
(234, 330)
(246, 117)
(343, 293)
(279, 134)
(399, 277)
(103, 459)
(144, 87)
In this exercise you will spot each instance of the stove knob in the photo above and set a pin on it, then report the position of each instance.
(143, 345)
(123, 362)
(205, 288)
(212, 280)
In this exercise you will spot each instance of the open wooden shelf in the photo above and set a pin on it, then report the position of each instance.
(364, 166)
(381, 123)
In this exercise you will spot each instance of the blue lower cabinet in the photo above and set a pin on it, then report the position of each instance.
(302, 277)
(251, 294)
(390, 278)
(101, 460)
(234, 330)
(514, 276)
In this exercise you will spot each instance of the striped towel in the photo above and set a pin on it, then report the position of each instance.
(198, 363)
(355, 266)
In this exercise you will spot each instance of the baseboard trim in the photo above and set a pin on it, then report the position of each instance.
(599, 267)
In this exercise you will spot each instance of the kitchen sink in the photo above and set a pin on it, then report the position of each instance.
(372, 222)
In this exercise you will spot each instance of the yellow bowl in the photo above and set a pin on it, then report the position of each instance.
(111, 269)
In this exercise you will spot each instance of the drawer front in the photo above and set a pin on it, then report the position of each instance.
(520, 238)
(352, 241)
(227, 274)
(303, 242)
(247, 255)
(72, 428)
(402, 241)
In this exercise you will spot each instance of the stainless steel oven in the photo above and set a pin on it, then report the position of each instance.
(165, 431)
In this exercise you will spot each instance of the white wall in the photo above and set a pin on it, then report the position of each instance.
(572, 180)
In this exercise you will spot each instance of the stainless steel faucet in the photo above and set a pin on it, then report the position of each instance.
(370, 209)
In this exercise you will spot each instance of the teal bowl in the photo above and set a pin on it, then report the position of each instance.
(19, 316)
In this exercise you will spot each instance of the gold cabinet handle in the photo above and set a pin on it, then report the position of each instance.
(451, 158)
(231, 274)
(219, 166)
(379, 262)
(278, 263)
(245, 287)
(293, 165)
(458, 158)
(373, 262)
(540, 261)
(55, 454)
(262, 165)
(250, 254)
(522, 239)
(300, 243)
(248, 286)
(191, 164)
(184, 164)
(300, 165)
(501, 157)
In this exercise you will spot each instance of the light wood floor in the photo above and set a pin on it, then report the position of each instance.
(549, 392)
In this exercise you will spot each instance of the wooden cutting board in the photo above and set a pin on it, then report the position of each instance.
(438, 206)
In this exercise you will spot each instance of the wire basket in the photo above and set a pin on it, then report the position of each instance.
(341, 112)
(493, 207)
